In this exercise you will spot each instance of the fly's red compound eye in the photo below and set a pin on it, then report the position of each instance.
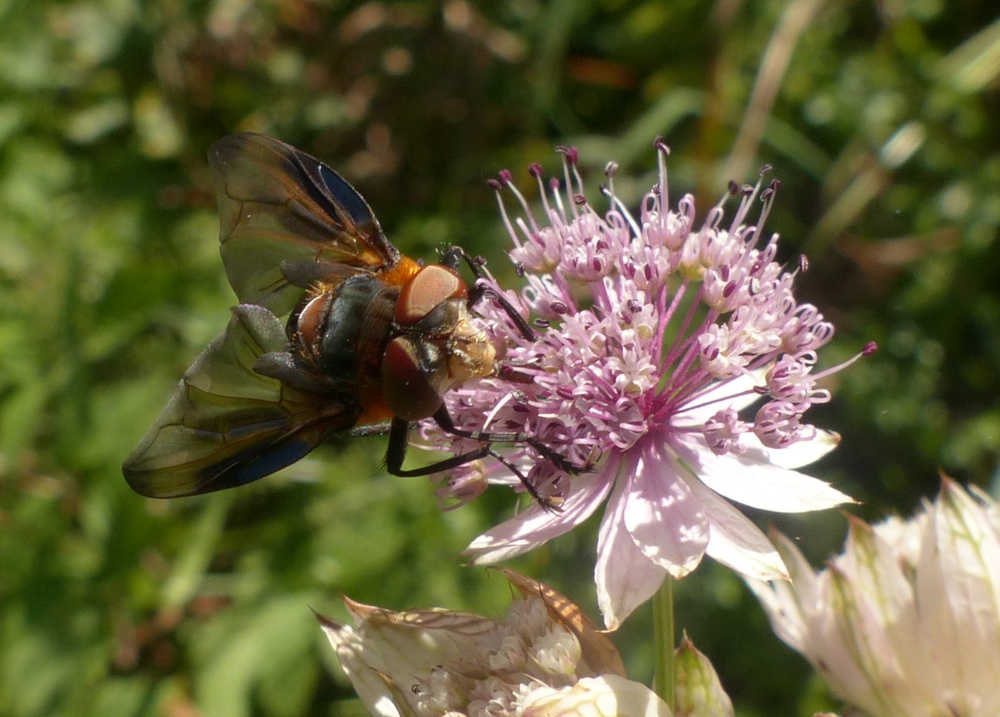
(431, 287)
(407, 378)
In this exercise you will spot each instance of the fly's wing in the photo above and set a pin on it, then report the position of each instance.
(226, 424)
(277, 206)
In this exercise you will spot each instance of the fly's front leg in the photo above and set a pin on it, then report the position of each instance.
(443, 419)
(454, 256)
(396, 453)
(399, 431)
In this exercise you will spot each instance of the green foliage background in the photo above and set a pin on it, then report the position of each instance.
(881, 119)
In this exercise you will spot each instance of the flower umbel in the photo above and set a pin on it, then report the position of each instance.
(654, 338)
(545, 658)
(906, 621)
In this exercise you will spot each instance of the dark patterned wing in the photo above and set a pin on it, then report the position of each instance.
(279, 206)
(227, 424)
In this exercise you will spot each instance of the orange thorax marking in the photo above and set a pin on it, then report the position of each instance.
(401, 273)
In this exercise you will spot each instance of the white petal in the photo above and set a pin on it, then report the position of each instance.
(535, 525)
(751, 480)
(791, 606)
(625, 577)
(736, 542)
(369, 683)
(782, 608)
(799, 570)
(664, 518)
(604, 696)
(858, 659)
(886, 622)
(798, 454)
(958, 589)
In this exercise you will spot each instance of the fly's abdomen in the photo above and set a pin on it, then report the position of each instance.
(355, 331)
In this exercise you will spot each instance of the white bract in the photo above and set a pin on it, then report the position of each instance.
(543, 659)
(906, 621)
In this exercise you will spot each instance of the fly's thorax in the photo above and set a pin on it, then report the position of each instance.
(342, 330)
(400, 347)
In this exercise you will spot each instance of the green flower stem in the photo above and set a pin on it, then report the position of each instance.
(663, 636)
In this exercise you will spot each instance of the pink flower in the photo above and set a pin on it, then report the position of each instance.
(654, 338)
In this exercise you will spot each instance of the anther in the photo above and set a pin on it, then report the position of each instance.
(572, 154)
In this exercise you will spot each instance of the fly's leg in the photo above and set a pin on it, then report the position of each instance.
(453, 256)
(398, 433)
